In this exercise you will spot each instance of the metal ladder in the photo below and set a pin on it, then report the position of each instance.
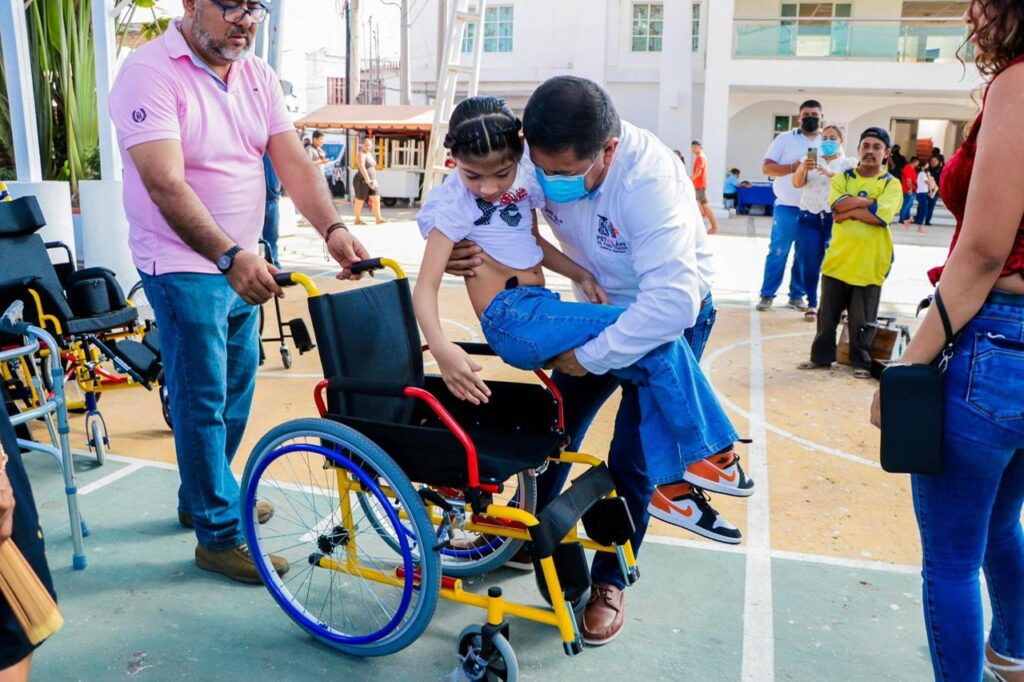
(447, 82)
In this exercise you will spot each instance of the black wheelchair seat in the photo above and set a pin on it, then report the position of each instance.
(369, 337)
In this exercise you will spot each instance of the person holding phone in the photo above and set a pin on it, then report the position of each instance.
(814, 177)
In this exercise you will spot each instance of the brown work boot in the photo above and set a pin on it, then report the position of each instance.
(236, 563)
(605, 614)
(264, 512)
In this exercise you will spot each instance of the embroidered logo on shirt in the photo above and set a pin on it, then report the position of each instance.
(608, 236)
(139, 115)
(509, 215)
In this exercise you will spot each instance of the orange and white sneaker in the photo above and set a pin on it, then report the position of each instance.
(692, 512)
(720, 474)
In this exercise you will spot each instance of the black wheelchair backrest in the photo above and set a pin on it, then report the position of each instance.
(23, 255)
(369, 333)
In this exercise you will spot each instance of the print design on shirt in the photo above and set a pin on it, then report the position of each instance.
(509, 215)
(552, 216)
(608, 236)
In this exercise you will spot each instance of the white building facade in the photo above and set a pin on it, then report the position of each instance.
(731, 72)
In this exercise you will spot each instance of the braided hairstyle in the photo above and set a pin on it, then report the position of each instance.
(482, 125)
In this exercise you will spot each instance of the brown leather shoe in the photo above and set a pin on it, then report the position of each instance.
(264, 512)
(236, 563)
(605, 614)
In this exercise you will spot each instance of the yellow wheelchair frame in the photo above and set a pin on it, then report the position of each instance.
(496, 520)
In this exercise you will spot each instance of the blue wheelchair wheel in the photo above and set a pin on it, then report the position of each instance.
(346, 586)
(466, 553)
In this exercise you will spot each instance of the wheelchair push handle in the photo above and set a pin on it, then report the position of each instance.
(288, 279)
(371, 264)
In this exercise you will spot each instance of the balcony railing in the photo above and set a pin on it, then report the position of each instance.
(890, 40)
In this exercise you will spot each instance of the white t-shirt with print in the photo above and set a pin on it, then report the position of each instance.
(787, 149)
(503, 229)
(815, 193)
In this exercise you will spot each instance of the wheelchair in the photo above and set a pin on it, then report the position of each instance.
(399, 492)
(102, 345)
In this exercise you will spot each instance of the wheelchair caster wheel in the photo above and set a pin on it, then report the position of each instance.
(99, 442)
(286, 358)
(499, 665)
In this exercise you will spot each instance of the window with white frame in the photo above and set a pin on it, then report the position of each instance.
(783, 123)
(497, 31)
(696, 27)
(468, 36)
(648, 24)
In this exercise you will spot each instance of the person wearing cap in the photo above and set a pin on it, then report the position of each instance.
(700, 184)
(865, 200)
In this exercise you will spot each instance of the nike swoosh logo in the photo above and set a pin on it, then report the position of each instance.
(731, 479)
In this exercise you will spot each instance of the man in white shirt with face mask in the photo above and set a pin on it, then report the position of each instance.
(622, 207)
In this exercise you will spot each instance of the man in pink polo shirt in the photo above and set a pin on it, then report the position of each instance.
(195, 113)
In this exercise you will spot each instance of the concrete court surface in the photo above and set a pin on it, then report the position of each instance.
(826, 574)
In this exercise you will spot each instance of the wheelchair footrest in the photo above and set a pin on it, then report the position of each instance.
(609, 522)
(562, 515)
(300, 335)
(139, 357)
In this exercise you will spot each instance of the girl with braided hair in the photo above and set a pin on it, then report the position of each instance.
(491, 198)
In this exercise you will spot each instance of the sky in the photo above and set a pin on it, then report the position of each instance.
(320, 22)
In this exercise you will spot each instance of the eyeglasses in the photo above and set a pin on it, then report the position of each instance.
(233, 14)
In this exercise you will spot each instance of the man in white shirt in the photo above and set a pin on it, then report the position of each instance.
(782, 159)
(622, 207)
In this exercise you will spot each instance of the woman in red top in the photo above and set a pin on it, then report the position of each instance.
(970, 514)
(908, 177)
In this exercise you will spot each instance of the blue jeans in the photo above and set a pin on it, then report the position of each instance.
(785, 226)
(970, 515)
(271, 229)
(922, 208)
(932, 202)
(908, 203)
(210, 354)
(583, 398)
(682, 422)
(811, 242)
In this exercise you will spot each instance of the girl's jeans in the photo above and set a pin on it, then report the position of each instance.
(970, 514)
(681, 419)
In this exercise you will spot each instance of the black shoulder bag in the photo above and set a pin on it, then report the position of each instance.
(912, 401)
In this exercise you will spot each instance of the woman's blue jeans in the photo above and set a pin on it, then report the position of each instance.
(812, 240)
(681, 419)
(210, 352)
(923, 206)
(970, 515)
(272, 229)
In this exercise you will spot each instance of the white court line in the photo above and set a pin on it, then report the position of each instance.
(858, 564)
(758, 616)
(761, 421)
(110, 478)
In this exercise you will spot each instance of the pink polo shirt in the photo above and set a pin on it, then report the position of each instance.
(163, 92)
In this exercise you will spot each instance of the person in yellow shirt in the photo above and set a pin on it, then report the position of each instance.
(864, 201)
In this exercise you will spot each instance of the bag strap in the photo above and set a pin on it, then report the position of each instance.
(947, 327)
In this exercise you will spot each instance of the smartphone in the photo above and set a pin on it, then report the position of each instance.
(812, 153)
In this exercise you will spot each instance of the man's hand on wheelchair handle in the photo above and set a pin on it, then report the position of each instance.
(460, 373)
(464, 258)
(346, 250)
(252, 277)
(566, 363)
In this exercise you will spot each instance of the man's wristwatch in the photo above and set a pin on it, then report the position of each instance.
(227, 259)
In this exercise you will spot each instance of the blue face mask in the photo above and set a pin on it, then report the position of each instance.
(830, 147)
(563, 189)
